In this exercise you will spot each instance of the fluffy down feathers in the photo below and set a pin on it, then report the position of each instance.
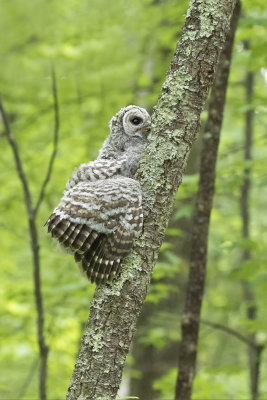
(100, 212)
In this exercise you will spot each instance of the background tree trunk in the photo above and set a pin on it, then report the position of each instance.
(197, 272)
(254, 352)
(32, 212)
(176, 117)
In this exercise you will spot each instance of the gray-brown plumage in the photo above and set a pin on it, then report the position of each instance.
(100, 212)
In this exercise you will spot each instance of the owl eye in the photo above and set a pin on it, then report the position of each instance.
(136, 121)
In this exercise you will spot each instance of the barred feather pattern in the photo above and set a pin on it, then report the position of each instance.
(100, 212)
(98, 169)
(98, 221)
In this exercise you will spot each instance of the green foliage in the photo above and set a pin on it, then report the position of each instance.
(107, 55)
(166, 384)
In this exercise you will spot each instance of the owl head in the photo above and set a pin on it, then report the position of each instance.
(128, 129)
(135, 121)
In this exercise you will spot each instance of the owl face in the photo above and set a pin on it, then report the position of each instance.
(129, 129)
(136, 122)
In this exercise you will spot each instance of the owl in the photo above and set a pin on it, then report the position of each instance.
(100, 212)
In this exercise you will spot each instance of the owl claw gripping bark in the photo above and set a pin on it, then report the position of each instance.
(100, 212)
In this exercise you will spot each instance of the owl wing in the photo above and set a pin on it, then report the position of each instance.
(96, 170)
(98, 221)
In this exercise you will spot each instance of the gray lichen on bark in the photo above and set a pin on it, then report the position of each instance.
(175, 123)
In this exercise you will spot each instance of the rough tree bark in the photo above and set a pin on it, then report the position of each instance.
(175, 123)
(198, 259)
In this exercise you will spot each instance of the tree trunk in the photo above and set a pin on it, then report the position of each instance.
(197, 272)
(254, 351)
(32, 212)
(175, 123)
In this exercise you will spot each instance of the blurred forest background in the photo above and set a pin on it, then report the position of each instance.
(107, 55)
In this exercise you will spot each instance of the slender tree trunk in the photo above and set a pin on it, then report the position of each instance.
(175, 123)
(43, 347)
(197, 272)
(32, 212)
(254, 351)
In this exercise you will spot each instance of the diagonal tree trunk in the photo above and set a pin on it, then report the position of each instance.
(175, 123)
(197, 272)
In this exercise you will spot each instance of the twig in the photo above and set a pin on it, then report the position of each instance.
(231, 331)
(13, 144)
(55, 142)
(28, 379)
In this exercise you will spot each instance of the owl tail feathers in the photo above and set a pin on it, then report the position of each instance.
(103, 260)
(97, 262)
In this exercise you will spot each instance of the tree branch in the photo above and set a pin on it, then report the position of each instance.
(28, 379)
(13, 144)
(175, 123)
(31, 214)
(231, 331)
(254, 347)
(55, 142)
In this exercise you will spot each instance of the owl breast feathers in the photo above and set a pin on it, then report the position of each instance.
(100, 212)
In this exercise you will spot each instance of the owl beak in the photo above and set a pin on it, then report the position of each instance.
(146, 128)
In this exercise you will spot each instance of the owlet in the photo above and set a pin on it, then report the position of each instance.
(100, 212)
